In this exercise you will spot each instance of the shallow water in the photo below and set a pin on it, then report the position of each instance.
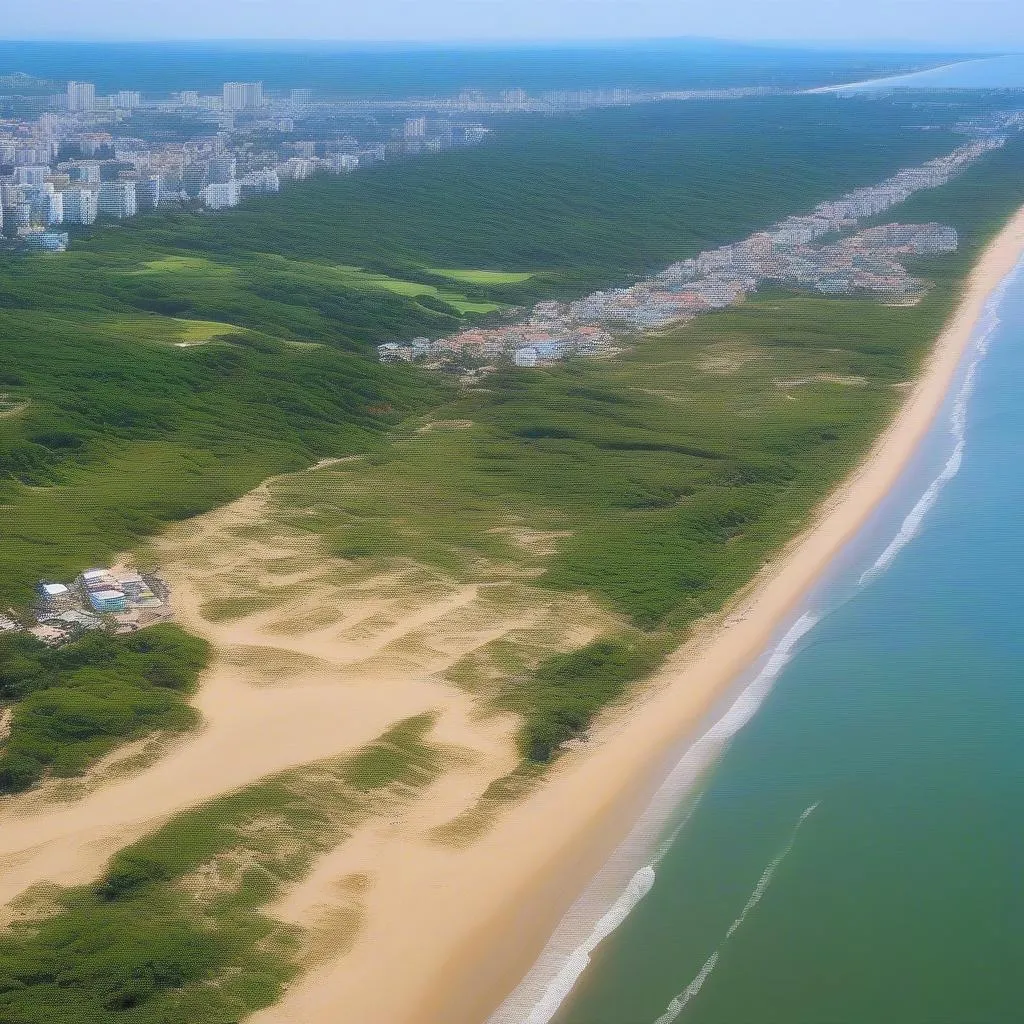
(855, 855)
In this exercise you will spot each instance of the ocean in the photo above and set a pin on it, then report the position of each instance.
(386, 70)
(844, 843)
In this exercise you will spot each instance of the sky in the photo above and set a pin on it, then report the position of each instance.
(955, 25)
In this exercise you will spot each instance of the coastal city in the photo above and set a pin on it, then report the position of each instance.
(88, 157)
(72, 157)
(814, 251)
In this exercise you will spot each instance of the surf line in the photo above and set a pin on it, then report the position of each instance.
(910, 526)
(678, 1003)
(538, 997)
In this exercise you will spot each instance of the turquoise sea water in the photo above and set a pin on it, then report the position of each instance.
(857, 853)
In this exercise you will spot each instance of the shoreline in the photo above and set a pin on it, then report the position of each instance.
(594, 797)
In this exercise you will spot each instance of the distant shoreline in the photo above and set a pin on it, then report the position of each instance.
(882, 82)
(517, 882)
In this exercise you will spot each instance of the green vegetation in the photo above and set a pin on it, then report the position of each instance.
(676, 470)
(76, 702)
(256, 312)
(176, 929)
(125, 431)
(484, 276)
(169, 364)
(560, 699)
(574, 202)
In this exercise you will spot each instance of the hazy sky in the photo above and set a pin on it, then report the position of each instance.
(949, 24)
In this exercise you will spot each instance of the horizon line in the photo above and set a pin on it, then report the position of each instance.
(893, 46)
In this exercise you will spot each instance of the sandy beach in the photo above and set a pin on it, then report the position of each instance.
(331, 660)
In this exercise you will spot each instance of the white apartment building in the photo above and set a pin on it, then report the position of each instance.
(81, 206)
(126, 99)
(242, 95)
(117, 199)
(34, 174)
(81, 95)
(258, 183)
(220, 195)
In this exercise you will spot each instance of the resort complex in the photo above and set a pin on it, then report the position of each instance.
(115, 599)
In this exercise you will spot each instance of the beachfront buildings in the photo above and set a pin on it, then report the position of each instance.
(795, 253)
(242, 95)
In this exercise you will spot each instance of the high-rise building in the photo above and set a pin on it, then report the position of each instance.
(126, 99)
(81, 95)
(80, 206)
(117, 199)
(187, 98)
(11, 194)
(19, 216)
(45, 204)
(259, 183)
(415, 127)
(87, 173)
(147, 192)
(220, 195)
(34, 174)
(242, 95)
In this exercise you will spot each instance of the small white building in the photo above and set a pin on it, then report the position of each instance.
(525, 357)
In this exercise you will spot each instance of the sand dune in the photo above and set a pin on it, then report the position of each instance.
(313, 659)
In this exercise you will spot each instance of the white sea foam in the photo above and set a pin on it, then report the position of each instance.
(987, 325)
(537, 999)
(678, 1003)
(561, 985)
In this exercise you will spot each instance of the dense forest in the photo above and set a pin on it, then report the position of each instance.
(170, 362)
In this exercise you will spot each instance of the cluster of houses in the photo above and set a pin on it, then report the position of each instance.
(98, 598)
(807, 252)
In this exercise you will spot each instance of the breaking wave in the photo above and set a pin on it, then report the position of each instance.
(537, 999)
(988, 323)
(678, 1003)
